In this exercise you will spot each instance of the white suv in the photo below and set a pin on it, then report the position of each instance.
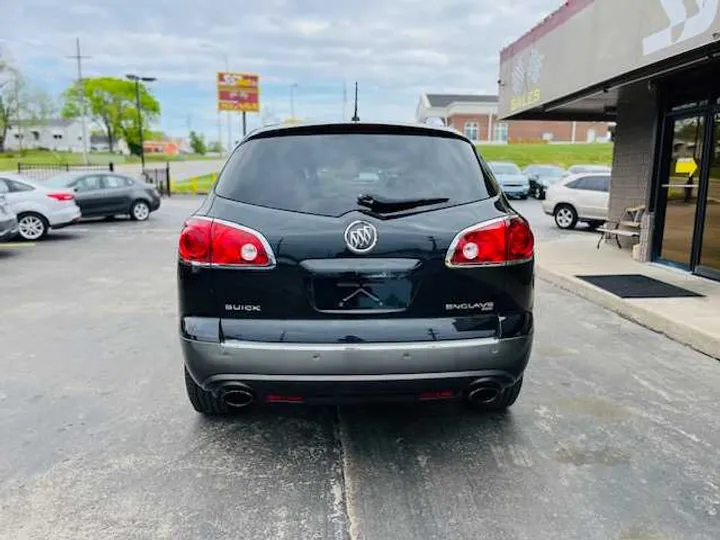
(38, 208)
(580, 197)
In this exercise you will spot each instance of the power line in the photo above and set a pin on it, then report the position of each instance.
(81, 89)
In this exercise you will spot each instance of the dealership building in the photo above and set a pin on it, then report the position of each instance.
(653, 67)
(476, 115)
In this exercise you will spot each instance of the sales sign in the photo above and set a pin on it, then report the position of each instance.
(238, 92)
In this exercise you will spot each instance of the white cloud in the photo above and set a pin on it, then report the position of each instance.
(395, 48)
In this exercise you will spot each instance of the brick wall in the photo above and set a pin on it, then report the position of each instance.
(527, 131)
(634, 156)
(531, 131)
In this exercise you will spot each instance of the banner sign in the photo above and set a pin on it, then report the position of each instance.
(238, 92)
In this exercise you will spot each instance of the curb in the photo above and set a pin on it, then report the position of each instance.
(672, 328)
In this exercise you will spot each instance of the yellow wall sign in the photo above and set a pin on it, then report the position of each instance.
(686, 166)
(525, 100)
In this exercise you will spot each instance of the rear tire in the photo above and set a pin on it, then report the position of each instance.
(140, 211)
(506, 399)
(203, 401)
(32, 226)
(565, 216)
(540, 195)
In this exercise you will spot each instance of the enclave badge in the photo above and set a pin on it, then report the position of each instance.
(361, 236)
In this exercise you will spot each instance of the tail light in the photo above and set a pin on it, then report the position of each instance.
(61, 196)
(500, 242)
(208, 242)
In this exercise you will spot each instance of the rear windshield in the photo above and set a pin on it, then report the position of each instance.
(325, 174)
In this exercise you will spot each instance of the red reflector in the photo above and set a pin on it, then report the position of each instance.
(428, 396)
(275, 398)
(496, 243)
(61, 196)
(207, 241)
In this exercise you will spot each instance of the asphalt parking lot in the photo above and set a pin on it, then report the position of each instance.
(616, 434)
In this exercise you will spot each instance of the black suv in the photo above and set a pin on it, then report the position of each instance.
(355, 261)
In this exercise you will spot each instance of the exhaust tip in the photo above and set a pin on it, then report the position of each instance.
(237, 398)
(484, 392)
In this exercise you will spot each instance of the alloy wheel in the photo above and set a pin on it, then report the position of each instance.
(141, 211)
(31, 227)
(564, 217)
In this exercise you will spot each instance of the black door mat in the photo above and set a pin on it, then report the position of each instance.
(638, 286)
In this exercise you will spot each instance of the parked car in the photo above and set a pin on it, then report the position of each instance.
(104, 194)
(541, 177)
(581, 197)
(39, 208)
(512, 181)
(300, 281)
(579, 169)
(8, 219)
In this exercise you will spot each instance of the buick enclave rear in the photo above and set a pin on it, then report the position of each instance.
(355, 262)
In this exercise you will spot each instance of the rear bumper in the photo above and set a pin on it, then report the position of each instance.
(357, 368)
(63, 218)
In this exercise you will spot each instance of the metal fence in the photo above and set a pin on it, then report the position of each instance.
(160, 178)
(43, 171)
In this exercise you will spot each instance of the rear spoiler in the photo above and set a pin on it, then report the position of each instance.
(356, 127)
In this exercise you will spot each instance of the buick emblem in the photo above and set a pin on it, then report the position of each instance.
(361, 236)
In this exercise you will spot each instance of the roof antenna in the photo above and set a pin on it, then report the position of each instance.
(355, 117)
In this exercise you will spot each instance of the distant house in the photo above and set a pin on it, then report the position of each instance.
(100, 143)
(169, 148)
(476, 115)
(59, 135)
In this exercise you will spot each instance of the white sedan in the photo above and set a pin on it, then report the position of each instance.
(580, 197)
(38, 208)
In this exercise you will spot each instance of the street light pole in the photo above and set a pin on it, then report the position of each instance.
(137, 80)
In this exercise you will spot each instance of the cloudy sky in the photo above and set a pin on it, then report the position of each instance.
(395, 49)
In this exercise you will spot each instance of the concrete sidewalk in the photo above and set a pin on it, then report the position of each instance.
(692, 321)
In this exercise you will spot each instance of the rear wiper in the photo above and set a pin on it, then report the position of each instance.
(383, 204)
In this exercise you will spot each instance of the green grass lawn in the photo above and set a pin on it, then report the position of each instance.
(563, 155)
(195, 185)
(9, 160)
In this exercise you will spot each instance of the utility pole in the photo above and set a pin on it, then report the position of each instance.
(81, 89)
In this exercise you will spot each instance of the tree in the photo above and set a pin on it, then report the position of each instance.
(111, 103)
(10, 83)
(197, 143)
(39, 107)
(215, 147)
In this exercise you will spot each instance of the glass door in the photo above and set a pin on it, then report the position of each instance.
(680, 190)
(709, 263)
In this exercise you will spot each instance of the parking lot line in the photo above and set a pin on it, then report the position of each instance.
(16, 244)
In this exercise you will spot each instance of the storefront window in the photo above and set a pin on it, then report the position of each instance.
(681, 190)
(710, 250)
